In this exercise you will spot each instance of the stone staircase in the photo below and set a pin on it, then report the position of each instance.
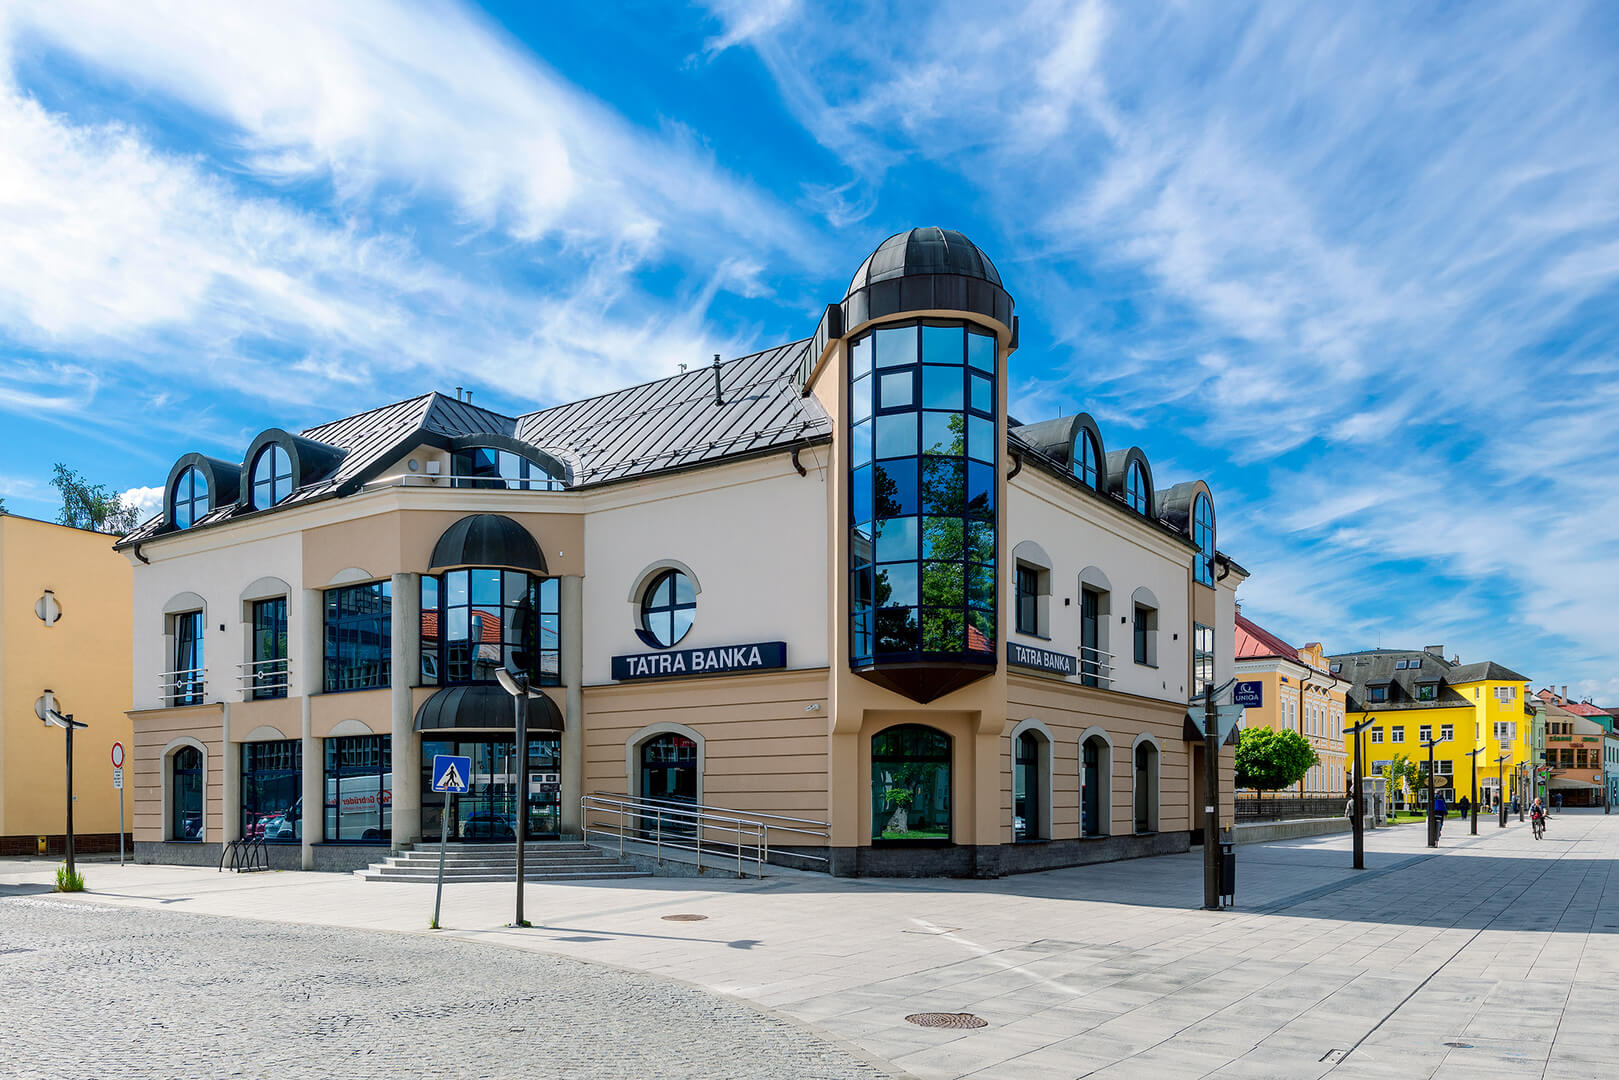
(544, 861)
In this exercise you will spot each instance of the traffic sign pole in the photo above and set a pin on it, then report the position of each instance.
(451, 776)
(118, 782)
(443, 842)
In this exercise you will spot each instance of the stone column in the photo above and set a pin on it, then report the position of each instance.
(406, 637)
(306, 675)
(230, 779)
(571, 615)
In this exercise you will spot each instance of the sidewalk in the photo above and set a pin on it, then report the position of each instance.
(1106, 970)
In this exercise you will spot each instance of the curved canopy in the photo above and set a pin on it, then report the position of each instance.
(487, 540)
(484, 705)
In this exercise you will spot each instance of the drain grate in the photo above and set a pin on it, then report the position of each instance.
(684, 918)
(947, 1020)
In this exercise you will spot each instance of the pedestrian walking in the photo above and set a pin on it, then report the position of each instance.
(1557, 801)
(1464, 806)
(1439, 811)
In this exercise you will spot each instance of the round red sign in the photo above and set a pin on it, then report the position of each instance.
(118, 755)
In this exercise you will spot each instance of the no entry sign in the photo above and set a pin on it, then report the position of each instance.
(118, 755)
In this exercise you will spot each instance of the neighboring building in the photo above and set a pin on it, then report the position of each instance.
(1299, 693)
(1578, 752)
(64, 628)
(1416, 695)
(824, 580)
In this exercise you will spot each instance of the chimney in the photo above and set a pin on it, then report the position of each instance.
(1565, 695)
(719, 398)
(1435, 650)
(469, 397)
(458, 393)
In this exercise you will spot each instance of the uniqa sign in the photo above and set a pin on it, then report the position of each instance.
(760, 656)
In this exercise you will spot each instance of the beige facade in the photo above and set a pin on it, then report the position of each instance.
(727, 504)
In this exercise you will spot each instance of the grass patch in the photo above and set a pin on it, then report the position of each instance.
(913, 834)
(68, 880)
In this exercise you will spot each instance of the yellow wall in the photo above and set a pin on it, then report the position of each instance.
(1473, 727)
(84, 657)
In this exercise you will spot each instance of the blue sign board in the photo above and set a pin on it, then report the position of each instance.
(1250, 695)
(675, 663)
(1040, 659)
(451, 773)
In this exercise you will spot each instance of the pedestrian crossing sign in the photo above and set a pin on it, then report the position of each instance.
(451, 773)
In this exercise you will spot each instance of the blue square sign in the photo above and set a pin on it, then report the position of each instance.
(451, 773)
(1250, 695)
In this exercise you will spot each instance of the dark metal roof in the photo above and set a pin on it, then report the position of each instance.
(929, 250)
(927, 269)
(1488, 670)
(1377, 667)
(484, 705)
(656, 427)
(487, 540)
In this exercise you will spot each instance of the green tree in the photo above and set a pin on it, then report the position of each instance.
(1399, 776)
(91, 506)
(1269, 760)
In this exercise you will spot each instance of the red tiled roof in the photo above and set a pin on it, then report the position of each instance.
(976, 641)
(489, 625)
(1585, 708)
(1254, 640)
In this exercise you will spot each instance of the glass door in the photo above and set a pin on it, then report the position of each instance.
(487, 812)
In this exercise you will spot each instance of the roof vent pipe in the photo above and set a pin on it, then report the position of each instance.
(1565, 693)
(469, 397)
(719, 398)
(458, 393)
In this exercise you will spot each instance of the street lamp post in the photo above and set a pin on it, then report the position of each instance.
(66, 721)
(1358, 826)
(1501, 786)
(1474, 753)
(516, 684)
(1433, 822)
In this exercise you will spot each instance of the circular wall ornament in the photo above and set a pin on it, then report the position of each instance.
(46, 609)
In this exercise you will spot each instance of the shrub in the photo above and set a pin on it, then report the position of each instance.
(68, 880)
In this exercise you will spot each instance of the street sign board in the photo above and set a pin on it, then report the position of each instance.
(1227, 718)
(118, 778)
(118, 755)
(1250, 695)
(451, 773)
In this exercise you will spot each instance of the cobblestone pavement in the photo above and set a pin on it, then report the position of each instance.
(104, 992)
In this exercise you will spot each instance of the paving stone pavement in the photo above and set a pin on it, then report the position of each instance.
(1495, 956)
(108, 993)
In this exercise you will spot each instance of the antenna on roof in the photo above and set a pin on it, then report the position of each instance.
(719, 398)
(683, 369)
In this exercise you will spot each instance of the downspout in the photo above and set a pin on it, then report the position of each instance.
(137, 550)
(1017, 456)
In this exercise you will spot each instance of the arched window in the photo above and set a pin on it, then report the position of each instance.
(488, 467)
(1135, 488)
(669, 769)
(1146, 786)
(272, 476)
(1086, 458)
(1203, 537)
(190, 497)
(910, 784)
(185, 794)
(1029, 798)
(1096, 785)
(668, 608)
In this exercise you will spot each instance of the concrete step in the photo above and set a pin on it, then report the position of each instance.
(386, 873)
(542, 861)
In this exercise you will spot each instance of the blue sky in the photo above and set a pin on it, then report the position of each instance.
(1356, 266)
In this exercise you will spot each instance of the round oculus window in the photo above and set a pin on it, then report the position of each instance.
(668, 608)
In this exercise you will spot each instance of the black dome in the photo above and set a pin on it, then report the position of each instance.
(488, 540)
(928, 250)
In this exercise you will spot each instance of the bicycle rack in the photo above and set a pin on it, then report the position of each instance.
(245, 856)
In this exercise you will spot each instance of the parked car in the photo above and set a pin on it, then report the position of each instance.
(484, 825)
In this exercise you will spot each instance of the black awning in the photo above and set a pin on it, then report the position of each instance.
(487, 540)
(484, 705)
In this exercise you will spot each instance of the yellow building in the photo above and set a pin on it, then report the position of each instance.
(1300, 694)
(64, 627)
(1417, 695)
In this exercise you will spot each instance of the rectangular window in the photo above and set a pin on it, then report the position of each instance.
(1377, 735)
(359, 788)
(1425, 733)
(1427, 691)
(267, 667)
(186, 682)
(1202, 658)
(1092, 664)
(1398, 734)
(1447, 732)
(1146, 635)
(1506, 694)
(1028, 599)
(1377, 693)
(359, 646)
(272, 791)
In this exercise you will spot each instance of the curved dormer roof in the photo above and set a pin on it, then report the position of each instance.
(312, 461)
(926, 269)
(1118, 470)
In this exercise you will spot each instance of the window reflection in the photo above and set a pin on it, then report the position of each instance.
(910, 784)
(359, 788)
(190, 497)
(272, 476)
(487, 467)
(477, 621)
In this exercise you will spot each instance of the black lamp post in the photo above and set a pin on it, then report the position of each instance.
(1501, 789)
(1474, 753)
(516, 684)
(1433, 796)
(1358, 826)
(67, 722)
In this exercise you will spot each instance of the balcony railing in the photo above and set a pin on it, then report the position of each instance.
(183, 687)
(263, 678)
(1095, 666)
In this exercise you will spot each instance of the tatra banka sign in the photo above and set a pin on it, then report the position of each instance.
(673, 663)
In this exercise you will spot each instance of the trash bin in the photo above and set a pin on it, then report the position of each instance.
(1228, 870)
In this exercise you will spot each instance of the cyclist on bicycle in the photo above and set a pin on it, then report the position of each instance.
(1537, 817)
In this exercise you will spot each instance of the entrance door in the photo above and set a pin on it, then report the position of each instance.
(669, 770)
(487, 813)
(1092, 809)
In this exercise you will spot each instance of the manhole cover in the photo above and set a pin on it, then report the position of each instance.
(684, 918)
(1460, 1045)
(947, 1020)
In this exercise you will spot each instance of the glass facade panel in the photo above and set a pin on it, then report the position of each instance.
(185, 794)
(476, 621)
(1203, 537)
(358, 642)
(190, 498)
(487, 812)
(931, 559)
(910, 784)
(268, 671)
(981, 351)
(272, 476)
(359, 788)
(1202, 657)
(488, 467)
(1135, 487)
(272, 791)
(1086, 459)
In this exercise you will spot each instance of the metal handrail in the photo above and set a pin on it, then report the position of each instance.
(253, 680)
(186, 682)
(672, 825)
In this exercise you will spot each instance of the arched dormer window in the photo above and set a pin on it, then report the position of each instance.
(1136, 489)
(1087, 459)
(1203, 537)
(271, 476)
(189, 497)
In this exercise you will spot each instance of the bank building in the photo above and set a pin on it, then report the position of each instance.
(830, 587)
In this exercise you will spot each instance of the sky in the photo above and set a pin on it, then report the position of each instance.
(1357, 266)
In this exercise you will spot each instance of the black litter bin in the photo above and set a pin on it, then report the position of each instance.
(1228, 870)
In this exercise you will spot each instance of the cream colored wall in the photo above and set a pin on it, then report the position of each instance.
(154, 731)
(765, 750)
(754, 535)
(1078, 531)
(84, 658)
